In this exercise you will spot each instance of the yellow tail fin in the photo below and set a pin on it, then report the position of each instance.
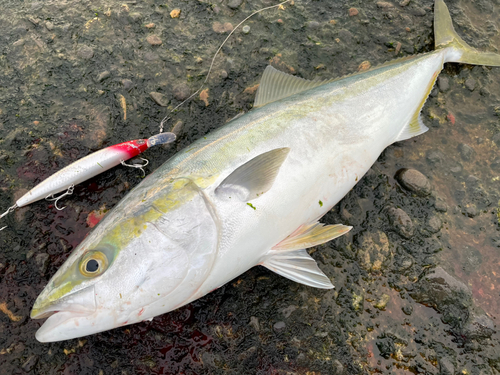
(446, 37)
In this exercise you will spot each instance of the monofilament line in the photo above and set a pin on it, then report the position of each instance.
(166, 118)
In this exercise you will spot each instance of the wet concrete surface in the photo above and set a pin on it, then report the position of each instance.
(417, 280)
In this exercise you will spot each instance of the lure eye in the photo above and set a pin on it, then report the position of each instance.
(93, 263)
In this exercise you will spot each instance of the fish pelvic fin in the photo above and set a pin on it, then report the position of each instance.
(298, 266)
(446, 37)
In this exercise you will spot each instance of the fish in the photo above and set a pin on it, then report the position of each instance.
(88, 167)
(250, 193)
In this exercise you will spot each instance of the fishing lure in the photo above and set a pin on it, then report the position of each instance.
(87, 167)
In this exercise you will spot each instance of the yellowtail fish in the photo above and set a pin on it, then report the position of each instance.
(250, 193)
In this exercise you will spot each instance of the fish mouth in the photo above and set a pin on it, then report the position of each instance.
(81, 303)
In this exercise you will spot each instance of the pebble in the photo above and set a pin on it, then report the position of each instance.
(353, 12)
(127, 84)
(470, 84)
(313, 24)
(254, 322)
(443, 83)
(338, 368)
(222, 28)
(279, 326)
(407, 310)
(223, 74)
(85, 52)
(404, 3)
(103, 76)
(471, 210)
(401, 222)
(154, 40)
(42, 261)
(364, 66)
(159, 98)
(384, 4)
(181, 92)
(150, 26)
(466, 151)
(49, 25)
(417, 11)
(177, 129)
(234, 4)
(434, 224)
(175, 13)
(19, 42)
(496, 139)
(414, 181)
(446, 367)
(246, 29)
(434, 156)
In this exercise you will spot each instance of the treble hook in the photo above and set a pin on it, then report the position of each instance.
(139, 166)
(51, 197)
(9, 210)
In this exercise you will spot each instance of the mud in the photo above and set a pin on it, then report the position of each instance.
(417, 278)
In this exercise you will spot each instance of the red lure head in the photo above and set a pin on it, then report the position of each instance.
(132, 148)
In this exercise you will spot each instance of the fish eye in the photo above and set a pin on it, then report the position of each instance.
(93, 263)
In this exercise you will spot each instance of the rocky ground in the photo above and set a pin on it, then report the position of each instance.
(417, 278)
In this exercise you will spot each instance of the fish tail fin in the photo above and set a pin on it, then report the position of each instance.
(460, 51)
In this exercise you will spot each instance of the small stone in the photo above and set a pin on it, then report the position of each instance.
(181, 92)
(407, 310)
(254, 322)
(470, 84)
(127, 84)
(400, 221)
(414, 181)
(175, 13)
(223, 74)
(177, 129)
(435, 156)
(479, 327)
(85, 52)
(19, 42)
(496, 139)
(384, 4)
(34, 21)
(382, 302)
(353, 12)
(443, 83)
(279, 326)
(338, 368)
(313, 24)
(466, 151)
(495, 165)
(434, 224)
(154, 40)
(42, 261)
(405, 263)
(150, 26)
(30, 363)
(364, 66)
(234, 4)
(103, 76)
(456, 169)
(246, 29)
(404, 3)
(471, 210)
(446, 367)
(222, 28)
(49, 25)
(159, 98)
(417, 11)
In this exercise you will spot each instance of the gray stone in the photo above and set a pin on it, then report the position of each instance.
(471, 210)
(446, 367)
(495, 165)
(434, 157)
(181, 92)
(384, 4)
(234, 4)
(223, 74)
(154, 40)
(443, 84)
(470, 84)
(19, 42)
(417, 11)
(337, 367)
(254, 322)
(440, 205)
(49, 25)
(279, 326)
(313, 24)
(101, 77)
(466, 152)
(85, 52)
(159, 98)
(496, 139)
(127, 84)
(434, 224)
(479, 327)
(42, 261)
(414, 181)
(177, 129)
(401, 222)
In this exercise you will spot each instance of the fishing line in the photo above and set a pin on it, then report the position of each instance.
(166, 118)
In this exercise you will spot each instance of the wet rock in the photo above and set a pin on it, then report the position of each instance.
(401, 222)
(42, 262)
(446, 367)
(407, 310)
(466, 151)
(446, 294)
(443, 83)
(85, 52)
(470, 84)
(434, 157)
(159, 98)
(353, 12)
(102, 76)
(181, 92)
(279, 326)
(30, 363)
(479, 327)
(471, 210)
(374, 252)
(440, 205)
(127, 84)
(414, 181)
(154, 40)
(234, 4)
(434, 224)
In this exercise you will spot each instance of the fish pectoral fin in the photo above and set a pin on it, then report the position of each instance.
(253, 178)
(298, 266)
(310, 235)
(276, 85)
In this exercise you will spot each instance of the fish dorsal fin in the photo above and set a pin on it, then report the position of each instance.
(310, 235)
(298, 266)
(253, 178)
(276, 85)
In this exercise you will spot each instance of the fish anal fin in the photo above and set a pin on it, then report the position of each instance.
(310, 235)
(298, 266)
(253, 178)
